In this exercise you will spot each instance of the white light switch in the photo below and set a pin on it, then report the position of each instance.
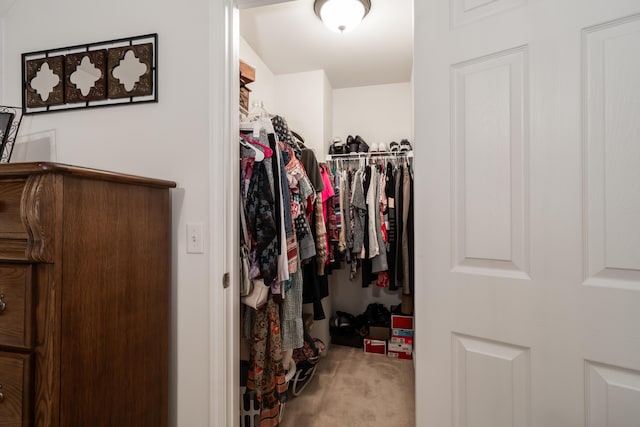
(195, 244)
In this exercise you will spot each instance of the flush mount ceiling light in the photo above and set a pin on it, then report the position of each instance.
(341, 16)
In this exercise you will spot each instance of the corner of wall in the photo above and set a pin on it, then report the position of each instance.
(264, 88)
(328, 115)
(412, 83)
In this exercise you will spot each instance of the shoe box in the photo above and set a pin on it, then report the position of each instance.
(375, 346)
(401, 341)
(401, 322)
(396, 342)
(400, 355)
(379, 333)
(400, 347)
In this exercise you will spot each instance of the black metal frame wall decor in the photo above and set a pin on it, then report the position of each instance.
(103, 74)
(10, 118)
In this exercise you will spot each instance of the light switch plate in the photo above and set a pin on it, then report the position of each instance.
(195, 243)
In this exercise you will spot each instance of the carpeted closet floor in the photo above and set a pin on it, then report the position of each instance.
(354, 389)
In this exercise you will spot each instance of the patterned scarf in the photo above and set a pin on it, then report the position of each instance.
(322, 254)
(266, 374)
(284, 134)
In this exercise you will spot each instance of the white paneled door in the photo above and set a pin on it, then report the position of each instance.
(527, 175)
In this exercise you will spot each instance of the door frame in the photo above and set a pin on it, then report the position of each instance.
(224, 301)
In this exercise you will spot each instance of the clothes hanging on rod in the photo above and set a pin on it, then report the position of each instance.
(290, 220)
(264, 189)
(376, 232)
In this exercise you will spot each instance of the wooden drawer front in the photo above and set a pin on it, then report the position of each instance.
(15, 381)
(16, 305)
(10, 196)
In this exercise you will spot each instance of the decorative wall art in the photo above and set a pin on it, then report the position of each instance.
(115, 72)
(85, 76)
(10, 118)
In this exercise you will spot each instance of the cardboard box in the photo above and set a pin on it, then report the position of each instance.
(247, 73)
(401, 340)
(401, 322)
(400, 355)
(375, 346)
(400, 347)
(402, 332)
(379, 333)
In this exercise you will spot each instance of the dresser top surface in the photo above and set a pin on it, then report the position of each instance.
(8, 170)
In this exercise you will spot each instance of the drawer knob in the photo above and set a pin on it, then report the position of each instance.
(1, 394)
(3, 306)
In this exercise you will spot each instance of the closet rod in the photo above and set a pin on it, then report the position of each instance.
(375, 154)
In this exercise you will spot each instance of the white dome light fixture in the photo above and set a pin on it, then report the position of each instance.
(341, 16)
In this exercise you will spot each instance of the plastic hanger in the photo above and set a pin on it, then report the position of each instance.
(259, 155)
(256, 113)
(268, 152)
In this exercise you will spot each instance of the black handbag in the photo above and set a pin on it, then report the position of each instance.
(363, 147)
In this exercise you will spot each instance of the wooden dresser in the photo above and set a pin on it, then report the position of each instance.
(84, 297)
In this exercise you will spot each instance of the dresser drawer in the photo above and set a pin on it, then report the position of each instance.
(15, 380)
(11, 225)
(16, 308)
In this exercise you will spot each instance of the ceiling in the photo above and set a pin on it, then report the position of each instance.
(290, 38)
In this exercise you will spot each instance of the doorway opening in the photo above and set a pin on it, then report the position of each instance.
(329, 92)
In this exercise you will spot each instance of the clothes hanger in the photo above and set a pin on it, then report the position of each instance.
(268, 152)
(257, 112)
(259, 155)
(297, 136)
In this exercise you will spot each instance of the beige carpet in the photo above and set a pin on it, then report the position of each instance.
(354, 389)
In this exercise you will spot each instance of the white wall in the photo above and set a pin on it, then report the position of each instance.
(413, 106)
(264, 88)
(4, 7)
(381, 113)
(168, 140)
(350, 296)
(303, 99)
(302, 102)
(327, 99)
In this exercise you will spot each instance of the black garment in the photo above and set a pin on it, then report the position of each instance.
(390, 186)
(312, 168)
(277, 195)
(367, 275)
(399, 175)
(391, 231)
(314, 287)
